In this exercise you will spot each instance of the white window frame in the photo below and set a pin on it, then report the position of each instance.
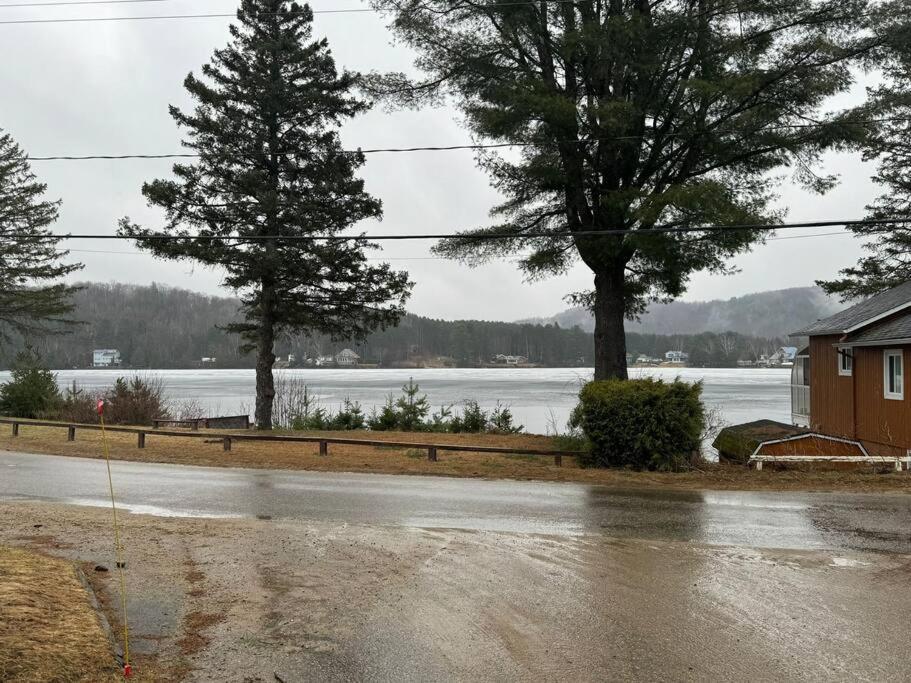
(893, 395)
(845, 352)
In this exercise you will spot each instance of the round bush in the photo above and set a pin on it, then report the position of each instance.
(641, 424)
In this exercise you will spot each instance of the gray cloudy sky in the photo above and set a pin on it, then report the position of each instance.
(104, 88)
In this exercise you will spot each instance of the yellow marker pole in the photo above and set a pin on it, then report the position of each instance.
(118, 548)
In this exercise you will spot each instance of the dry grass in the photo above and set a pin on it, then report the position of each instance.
(48, 629)
(393, 460)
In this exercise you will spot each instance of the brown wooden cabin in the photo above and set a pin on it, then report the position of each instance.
(849, 383)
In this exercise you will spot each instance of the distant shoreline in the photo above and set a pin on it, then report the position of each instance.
(131, 369)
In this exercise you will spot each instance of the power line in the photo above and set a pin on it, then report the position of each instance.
(218, 15)
(213, 15)
(371, 258)
(57, 3)
(841, 233)
(478, 146)
(483, 237)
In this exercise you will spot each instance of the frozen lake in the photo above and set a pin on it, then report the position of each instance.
(539, 398)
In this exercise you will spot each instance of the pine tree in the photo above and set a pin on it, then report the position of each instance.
(888, 244)
(33, 300)
(32, 390)
(271, 164)
(630, 115)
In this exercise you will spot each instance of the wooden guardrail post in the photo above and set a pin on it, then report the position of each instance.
(70, 433)
(558, 460)
(323, 448)
(432, 454)
(140, 439)
(226, 443)
(15, 429)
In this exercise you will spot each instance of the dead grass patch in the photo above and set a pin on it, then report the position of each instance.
(398, 460)
(49, 630)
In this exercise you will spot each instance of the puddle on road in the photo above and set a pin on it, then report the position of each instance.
(500, 525)
(847, 562)
(154, 510)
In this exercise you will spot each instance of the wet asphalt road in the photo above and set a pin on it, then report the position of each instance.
(876, 522)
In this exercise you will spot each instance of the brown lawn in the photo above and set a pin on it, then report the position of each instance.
(48, 628)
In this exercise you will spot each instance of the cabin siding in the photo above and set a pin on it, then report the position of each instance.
(881, 421)
(831, 395)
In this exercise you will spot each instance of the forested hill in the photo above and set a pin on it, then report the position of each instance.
(162, 327)
(764, 314)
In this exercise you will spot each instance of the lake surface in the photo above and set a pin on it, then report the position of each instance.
(539, 398)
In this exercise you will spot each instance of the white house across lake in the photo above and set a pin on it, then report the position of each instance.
(105, 358)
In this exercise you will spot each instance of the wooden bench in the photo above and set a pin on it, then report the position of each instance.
(188, 424)
(221, 422)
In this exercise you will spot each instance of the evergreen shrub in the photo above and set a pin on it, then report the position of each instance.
(32, 391)
(643, 424)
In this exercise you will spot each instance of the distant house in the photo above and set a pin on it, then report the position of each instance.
(678, 357)
(208, 362)
(784, 356)
(346, 358)
(324, 361)
(509, 360)
(105, 358)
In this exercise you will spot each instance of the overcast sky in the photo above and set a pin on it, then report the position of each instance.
(104, 88)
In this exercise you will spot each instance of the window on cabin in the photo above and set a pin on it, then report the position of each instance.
(845, 360)
(893, 375)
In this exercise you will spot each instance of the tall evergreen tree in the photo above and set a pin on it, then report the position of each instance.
(271, 167)
(630, 115)
(33, 300)
(887, 262)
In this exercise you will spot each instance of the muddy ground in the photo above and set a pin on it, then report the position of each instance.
(263, 600)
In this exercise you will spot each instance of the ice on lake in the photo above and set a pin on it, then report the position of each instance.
(539, 397)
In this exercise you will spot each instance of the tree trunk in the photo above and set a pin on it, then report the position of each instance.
(265, 359)
(610, 336)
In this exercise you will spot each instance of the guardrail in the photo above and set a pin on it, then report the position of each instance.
(142, 433)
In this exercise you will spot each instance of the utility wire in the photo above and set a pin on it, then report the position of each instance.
(480, 146)
(214, 15)
(482, 237)
(350, 10)
(57, 3)
(353, 10)
(371, 258)
(444, 258)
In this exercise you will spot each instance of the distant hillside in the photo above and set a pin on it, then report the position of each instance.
(764, 314)
(162, 327)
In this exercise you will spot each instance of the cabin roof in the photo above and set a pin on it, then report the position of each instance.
(862, 314)
(894, 328)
